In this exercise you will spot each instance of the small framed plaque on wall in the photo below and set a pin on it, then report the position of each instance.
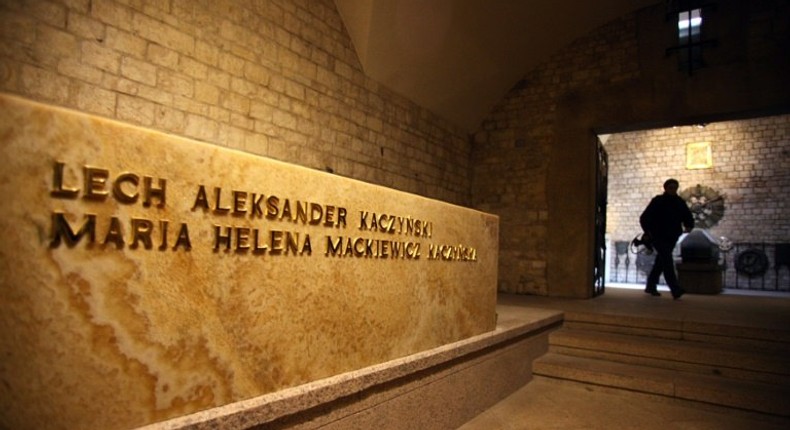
(698, 156)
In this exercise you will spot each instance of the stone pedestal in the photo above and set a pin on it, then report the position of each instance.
(700, 278)
(440, 388)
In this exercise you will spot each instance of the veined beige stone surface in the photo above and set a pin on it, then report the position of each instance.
(105, 324)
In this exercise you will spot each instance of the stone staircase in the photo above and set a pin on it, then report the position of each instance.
(738, 367)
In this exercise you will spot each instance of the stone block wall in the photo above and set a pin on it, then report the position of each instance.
(751, 168)
(276, 78)
(511, 152)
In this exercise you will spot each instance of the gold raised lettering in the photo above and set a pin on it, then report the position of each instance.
(58, 190)
(114, 234)
(256, 210)
(222, 239)
(307, 245)
(239, 202)
(276, 241)
(316, 213)
(118, 190)
(201, 200)
(217, 200)
(152, 192)
(163, 230)
(301, 212)
(95, 182)
(363, 220)
(61, 230)
(242, 239)
(258, 246)
(291, 243)
(286, 210)
(141, 232)
(333, 247)
(183, 238)
(329, 220)
(272, 207)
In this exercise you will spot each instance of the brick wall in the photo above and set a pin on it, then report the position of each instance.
(751, 168)
(277, 78)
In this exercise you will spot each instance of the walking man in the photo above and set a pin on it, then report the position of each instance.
(663, 222)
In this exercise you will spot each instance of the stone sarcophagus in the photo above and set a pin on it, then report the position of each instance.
(145, 276)
(699, 272)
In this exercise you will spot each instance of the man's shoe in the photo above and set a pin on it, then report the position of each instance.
(679, 294)
(653, 293)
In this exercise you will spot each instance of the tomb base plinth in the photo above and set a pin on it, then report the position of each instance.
(700, 278)
(441, 388)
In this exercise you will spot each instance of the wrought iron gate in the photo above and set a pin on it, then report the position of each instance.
(599, 253)
(763, 266)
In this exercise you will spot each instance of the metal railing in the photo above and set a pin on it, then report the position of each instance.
(763, 266)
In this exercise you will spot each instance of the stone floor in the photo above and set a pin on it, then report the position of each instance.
(547, 403)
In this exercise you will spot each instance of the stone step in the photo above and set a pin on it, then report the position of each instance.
(729, 361)
(716, 333)
(747, 395)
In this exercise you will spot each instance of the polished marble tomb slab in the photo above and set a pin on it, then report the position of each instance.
(144, 276)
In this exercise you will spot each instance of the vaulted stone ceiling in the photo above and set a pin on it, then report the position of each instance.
(459, 57)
